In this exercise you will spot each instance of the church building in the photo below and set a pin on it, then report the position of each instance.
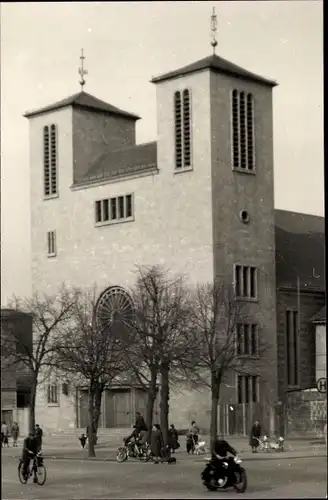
(200, 201)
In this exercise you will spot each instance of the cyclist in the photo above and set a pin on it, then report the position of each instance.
(30, 449)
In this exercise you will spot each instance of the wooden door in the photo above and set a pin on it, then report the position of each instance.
(122, 408)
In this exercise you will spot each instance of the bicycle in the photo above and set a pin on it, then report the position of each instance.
(38, 468)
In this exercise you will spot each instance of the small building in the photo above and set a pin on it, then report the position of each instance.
(15, 377)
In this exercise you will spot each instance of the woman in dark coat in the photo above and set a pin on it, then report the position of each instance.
(254, 436)
(173, 438)
(156, 443)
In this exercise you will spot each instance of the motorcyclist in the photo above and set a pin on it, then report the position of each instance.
(30, 449)
(220, 451)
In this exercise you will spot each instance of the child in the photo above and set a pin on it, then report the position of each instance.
(83, 439)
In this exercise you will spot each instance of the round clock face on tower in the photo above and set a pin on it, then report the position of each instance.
(244, 216)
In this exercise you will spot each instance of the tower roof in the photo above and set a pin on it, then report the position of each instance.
(218, 65)
(86, 101)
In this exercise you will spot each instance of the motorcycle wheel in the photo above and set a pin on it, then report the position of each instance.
(121, 455)
(211, 485)
(241, 483)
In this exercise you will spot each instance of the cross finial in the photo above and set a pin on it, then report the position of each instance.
(214, 25)
(82, 71)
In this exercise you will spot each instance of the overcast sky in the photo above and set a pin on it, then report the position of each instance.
(125, 45)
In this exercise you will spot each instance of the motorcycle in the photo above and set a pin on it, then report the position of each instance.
(132, 450)
(231, 475)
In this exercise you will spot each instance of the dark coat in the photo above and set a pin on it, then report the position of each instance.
(156, 443)
(173, 439)
(140, 424)
(255, 433)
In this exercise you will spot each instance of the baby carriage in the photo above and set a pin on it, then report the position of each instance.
(267, 446)
(196, 446)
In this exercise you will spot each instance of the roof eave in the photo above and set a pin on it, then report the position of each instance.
(128, 116)
(255, 78)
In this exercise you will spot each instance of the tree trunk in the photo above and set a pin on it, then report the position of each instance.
(215, 393)
(98, 398)
(151, 400)
(91, 436)
(32, 405)
(164, 405)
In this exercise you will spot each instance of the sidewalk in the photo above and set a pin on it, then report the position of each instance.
(106, 450)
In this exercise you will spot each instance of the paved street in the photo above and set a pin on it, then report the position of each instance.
(268, 477)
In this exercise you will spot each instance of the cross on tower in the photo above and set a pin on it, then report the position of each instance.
(82, 71)
(214, 26)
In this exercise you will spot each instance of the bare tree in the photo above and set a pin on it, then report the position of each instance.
(159, 341)
(216, 313)
(37, 353)
(93, 353)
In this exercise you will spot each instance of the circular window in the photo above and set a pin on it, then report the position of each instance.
(114, 308)
(244, 216)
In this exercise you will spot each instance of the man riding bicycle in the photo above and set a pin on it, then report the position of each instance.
(30, 449)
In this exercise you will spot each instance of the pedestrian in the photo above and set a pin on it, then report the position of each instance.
(38, 436)
(173, 439)
(83, 439)
(156, 443)
(193, 437)
(255, 436)
(4, 434)
(15, 433)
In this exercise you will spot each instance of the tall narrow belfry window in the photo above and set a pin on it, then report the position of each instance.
(235, 129)
(46, 161)
(242, 113)
(53, 140)
(50, 160)
(186, 129)
(182, 117)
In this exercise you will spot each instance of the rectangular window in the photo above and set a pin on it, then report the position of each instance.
(128, 209)
(292, 342)
(50, 160)
(242, 118)
(113, 213)
(247, 339)
(51, 243)
(245, 279)
(52, 394)
(105, 210)
(182, 129)
(248, 389)
(113, 209)
(98, 211)
(120, 207)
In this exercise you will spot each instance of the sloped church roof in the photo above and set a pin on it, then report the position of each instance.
(218, 65)
(86, 101)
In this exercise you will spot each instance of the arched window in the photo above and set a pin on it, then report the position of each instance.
(50, 160)
(182, 117)
(114, 310)
(242, 131)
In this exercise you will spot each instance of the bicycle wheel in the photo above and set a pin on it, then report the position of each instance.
(41, 474)
(23, 479)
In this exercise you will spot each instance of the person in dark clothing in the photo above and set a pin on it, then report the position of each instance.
(220, 451)
(173, 439)
(140, 424)
(254, 436)
(156, 443)
(30, 449)
(38, 433)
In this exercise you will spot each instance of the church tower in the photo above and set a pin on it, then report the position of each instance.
(215, 126)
